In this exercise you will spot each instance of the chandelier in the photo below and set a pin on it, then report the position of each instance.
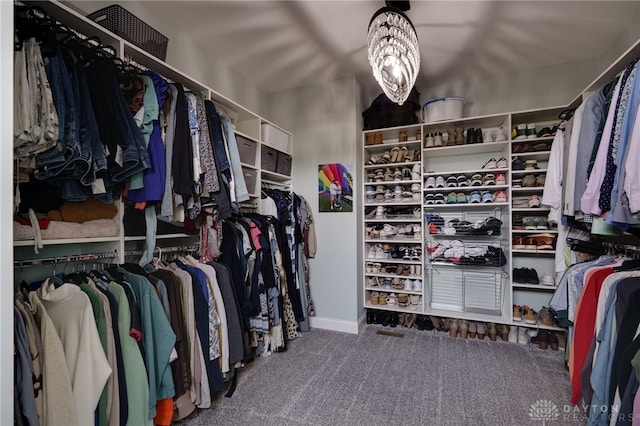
(394, 54)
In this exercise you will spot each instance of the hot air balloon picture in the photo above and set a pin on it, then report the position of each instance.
(335, 188)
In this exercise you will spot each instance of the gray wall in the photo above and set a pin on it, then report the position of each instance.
(323, 119)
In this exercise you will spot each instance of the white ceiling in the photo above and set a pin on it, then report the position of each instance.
(284, 44)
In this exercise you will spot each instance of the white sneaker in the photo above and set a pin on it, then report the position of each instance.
(547, 279)
(431, 182)
(416, 172)
(417, 285)
(439, 182)
(513, 333)
(523, 337)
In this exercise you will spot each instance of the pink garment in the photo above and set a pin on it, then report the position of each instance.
(631, 169)
(255, 235)
(636, 410)
(589, 200)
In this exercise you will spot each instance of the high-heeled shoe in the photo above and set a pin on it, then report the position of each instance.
(492, 330)
(463, 326)
(453, 327)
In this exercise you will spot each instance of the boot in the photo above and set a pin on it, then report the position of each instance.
(503, 329)
(481, 330)
(453, 327)
(459, 135)
(492, 330)
(464, 328)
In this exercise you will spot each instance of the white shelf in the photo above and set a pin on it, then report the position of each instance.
(534, 231)
(394, 308)
(392, 220)
(474, 205)
(533, 140)
(467, 188)
(534, 286)
(60, 241)
(393, 290)
(533, 252)
(537, 155)
(383, 165)
(538, 325)
(417, 203)
(393, 182)
(529, 209)
(275, 176)
(393, 240)
(455, 150)
(387, 144)
(528, 172)
(528, 189)
(394, 260)
(465, 172)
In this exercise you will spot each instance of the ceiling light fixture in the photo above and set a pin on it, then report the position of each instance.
(394, 53)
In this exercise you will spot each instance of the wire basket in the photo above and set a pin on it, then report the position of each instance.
(123, 23)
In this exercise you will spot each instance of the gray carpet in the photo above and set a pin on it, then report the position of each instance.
(424, 378)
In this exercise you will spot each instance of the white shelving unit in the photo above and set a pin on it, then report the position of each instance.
(248, 125)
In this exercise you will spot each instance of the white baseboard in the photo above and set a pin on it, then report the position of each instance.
(334, 324)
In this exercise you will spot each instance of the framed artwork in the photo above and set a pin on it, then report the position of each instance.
(335, 188)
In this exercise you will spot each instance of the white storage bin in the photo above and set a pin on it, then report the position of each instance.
(449, 108)
(274, 137)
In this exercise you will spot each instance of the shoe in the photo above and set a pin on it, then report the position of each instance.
(500, 197)
(462, 181)
(547, 279)
(541, 339)
(518, 242)
(529, 223)
(502, 163)
(516, 183)
(513, 334)
(476, 180)
(461, 198)
(517, 313)
(478, 137)
(440, 182)
(452, 182)
(503, 331)
(429, 142)
(487, 197)
(540, 180)
(473, 330)
(463, 327)
(531, 131)
(523, 337)
(499, 135)
(492, 331)
(528, 181)
(531, 276)
(489, 179)
(429, 199)
(453, 327)
(531, 165)
(501, 179)
(545, 132)
(517, 164)
(517, 222)
(471, 136)
(520, 132)
(530, 316)
(545, 316)
(481, 330)
(490, 164)
(437, 139)
(541, 223)
(475, 197)
(544, 241)
(459, 135)
(553, 341)
(375, 297)
(431, 182)
(452, 198)
(416, 172)
(534, 201)
(439, 199)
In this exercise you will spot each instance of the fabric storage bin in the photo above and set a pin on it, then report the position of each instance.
(449, 108)
(250, 178)
(283, 164)
(269, 158)
(247, 149)
(274, 137)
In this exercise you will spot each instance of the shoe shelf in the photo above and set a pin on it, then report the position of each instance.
(537, 155)
(528, 189)
(392, 220)
(387, 144)
(534, 140)
(468, 189)
(383, 165)
(454, 150)
(394, 203)
(534, 231)
(528, 172)
(394, 260)
(393, 182)
(395, 308)
(529, 209)
(392, 290)
(393, 240)
(535, 286)
(539, 325)
(465, 172)
(534, 252)
(472, 205)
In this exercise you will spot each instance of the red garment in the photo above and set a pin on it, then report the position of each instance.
(164, 412)
(584, 325)
(43, 222)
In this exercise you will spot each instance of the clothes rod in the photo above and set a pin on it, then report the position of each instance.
(66, 259)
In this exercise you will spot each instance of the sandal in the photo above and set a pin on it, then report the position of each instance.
(394, 154)
(403, 300)
(375, 297)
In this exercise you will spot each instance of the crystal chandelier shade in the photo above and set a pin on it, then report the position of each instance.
(394, 54)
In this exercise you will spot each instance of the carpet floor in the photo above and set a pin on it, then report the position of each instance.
(421, 378)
